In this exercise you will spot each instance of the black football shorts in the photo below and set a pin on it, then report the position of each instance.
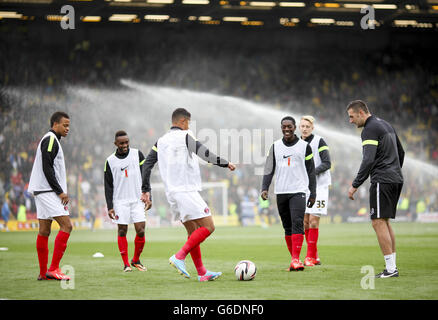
(383, 199)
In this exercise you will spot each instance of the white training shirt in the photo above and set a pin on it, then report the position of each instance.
(290, 168)
(38, 180)
(179, 168)
(126, 177)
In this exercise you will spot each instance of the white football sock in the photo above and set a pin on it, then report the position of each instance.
(395, 260)
(390, 263)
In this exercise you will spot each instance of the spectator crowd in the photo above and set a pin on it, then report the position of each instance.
(399, 86)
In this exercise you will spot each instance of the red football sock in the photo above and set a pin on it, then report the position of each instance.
(60, 246)
(289, 243)
(43, 253)
(306, 233)
(123, 248)
(313, 239)
(195, 239)
(297, 243)
(139, 245)
(197, 260)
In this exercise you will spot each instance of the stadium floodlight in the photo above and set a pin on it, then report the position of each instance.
(204, 18)
(355, 5)
(262, 4)
(322, 20)
(285, 21)
(122, 17)
(156, 17)
(91, 19)
(56, 17)
(411, 7)
(385, 6)
(405, 23)
(425, 25)
(332, 5)
(195, 2)
(235, 19)
(292, 4)
(345, 23)
(252, 23)
(10, 15)
(160, 1)
(327, 5)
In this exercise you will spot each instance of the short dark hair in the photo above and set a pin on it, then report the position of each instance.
(180, 112)
(289, 118)
(57, 116)
(357, 105)
(120, 133)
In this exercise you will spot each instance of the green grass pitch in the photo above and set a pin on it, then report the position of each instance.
(344, 249)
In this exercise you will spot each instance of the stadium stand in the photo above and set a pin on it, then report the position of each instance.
(400, 83)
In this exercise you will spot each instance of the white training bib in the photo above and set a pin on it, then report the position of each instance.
(178, 167)
(126, 177)
(290, 168)
(38, 180)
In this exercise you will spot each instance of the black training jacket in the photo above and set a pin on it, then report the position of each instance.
(383, 154)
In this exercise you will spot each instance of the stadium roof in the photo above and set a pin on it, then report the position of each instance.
(410, 14)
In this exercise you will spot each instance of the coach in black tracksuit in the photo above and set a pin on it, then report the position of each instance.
(383, 157)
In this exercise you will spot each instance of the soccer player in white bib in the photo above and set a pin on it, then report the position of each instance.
(122, 181)
(48, 184)
(176, 153)
(321, 158)
(290, 159)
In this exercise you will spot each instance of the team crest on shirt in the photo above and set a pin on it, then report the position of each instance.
(116, 217)
(206, 210)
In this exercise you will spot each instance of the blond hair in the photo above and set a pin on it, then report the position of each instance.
(308, 118)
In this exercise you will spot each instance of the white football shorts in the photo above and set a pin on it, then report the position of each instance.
(321, 202)
(129, 212)
(187, 206)
(49, 205)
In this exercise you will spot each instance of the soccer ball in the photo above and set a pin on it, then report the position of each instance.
(245, 270)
